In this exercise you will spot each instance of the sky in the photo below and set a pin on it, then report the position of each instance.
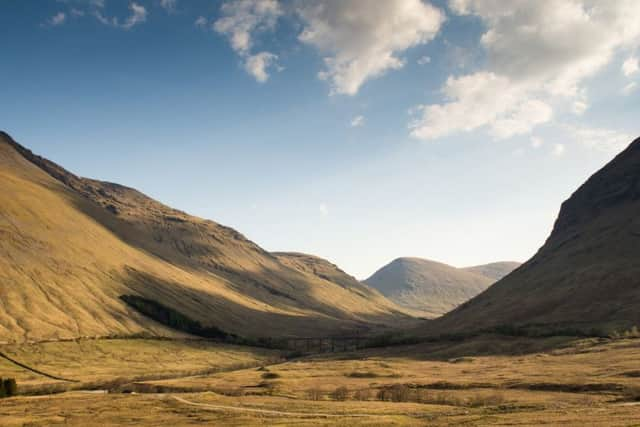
(356, 130)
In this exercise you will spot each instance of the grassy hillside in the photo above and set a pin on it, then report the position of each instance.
(72, 246)
(587, 274)
(431, 288)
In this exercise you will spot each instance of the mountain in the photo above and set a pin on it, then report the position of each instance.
(586, 275)
(72, 247)
(431, 288)
(494, 270)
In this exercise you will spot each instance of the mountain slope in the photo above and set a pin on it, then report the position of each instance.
(494, 270)
(432, 288)
(72, 246)
(586, 275)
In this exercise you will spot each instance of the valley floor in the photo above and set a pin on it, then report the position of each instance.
(485, 381)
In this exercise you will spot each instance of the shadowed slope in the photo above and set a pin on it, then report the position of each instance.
(71, 246)
(586, 275)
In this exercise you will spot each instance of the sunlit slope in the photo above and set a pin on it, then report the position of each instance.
(431, 288)
(587, 274)
(71, 247)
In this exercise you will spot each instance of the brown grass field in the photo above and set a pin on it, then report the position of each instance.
(484, 381)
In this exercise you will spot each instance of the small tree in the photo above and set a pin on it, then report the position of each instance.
(341, 393)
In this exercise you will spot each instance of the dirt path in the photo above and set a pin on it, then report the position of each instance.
(35, 371)
(267, 411)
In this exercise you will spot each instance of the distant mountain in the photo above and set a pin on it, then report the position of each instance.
(494, 270)
(72, 247)
(431, 288)
(586, 275)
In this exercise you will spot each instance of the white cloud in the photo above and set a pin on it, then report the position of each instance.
(536, 142)
(362, 41)
(565, 42)
(169, 5)
(138, 16)
(605, 140)
(481, 99)
(324, 210)
(257, 65)
(77, 12)
(357, 121)
(628, 89)
(240, 20)
(200, 22)
(630, 66)
(58, 19)
(558, 150)
(424, 60)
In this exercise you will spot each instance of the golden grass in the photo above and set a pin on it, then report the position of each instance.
(107, 359)
(572, 383)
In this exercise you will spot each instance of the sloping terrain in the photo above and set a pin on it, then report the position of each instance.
(70, 247)
(494, 270)
(431, 288)
(586, 275)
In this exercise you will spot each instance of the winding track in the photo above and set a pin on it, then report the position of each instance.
(267, 411)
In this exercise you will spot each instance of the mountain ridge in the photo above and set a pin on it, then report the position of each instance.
(97, 241)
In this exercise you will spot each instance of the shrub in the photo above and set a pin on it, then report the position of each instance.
(314, 394)
(8, 387)
(395, 393)
(270, 375)
(362, 394)
(632, 394)
(486, 400)
(384, 394)
(341, 394)
(367, 374)
(400, 393)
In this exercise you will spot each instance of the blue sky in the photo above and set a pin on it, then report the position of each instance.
(357, 130)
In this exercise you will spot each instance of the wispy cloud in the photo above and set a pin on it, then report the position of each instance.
(629, 88)
(357, 121)
(138, 15)
(605, 140)
(200, 22)
(169, 5)
(239, 22)
(57, 19)
(324, 209)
